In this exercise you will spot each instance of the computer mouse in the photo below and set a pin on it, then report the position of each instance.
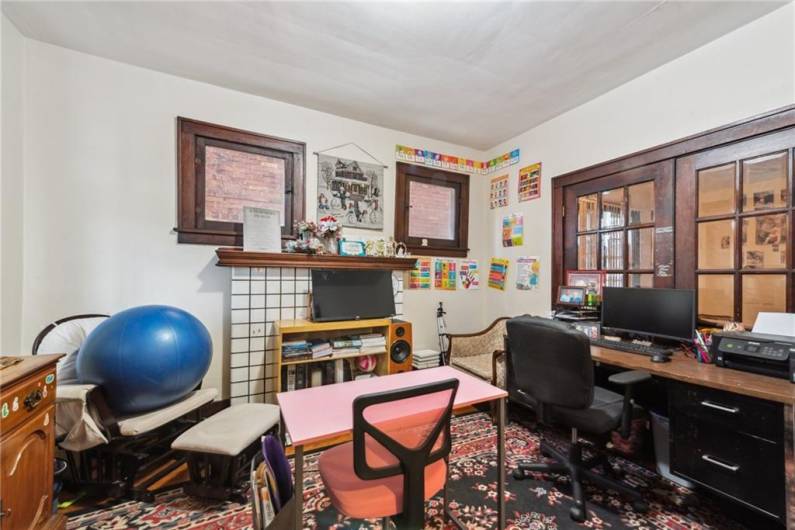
(660, 358)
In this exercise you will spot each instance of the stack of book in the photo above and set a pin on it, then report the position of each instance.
(346, 345)
(425, 359)
(308, 375)
(321, 348)
(295, 349)
(372, 343)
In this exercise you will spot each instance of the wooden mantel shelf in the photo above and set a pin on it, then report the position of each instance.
(237, 257)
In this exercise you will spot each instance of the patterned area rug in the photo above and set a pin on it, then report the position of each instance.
(536, 504)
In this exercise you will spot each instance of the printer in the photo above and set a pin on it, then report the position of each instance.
(761, 353)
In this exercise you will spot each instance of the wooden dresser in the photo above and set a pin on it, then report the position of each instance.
(27, 444)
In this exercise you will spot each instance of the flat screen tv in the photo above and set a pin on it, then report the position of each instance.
(351, 295)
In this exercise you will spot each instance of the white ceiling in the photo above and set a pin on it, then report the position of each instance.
(470, 73)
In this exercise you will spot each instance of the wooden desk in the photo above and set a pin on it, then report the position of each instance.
(686, 370)
(682, 368)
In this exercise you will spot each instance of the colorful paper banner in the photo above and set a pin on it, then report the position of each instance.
(452, 162)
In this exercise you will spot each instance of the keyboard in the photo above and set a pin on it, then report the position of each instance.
(631, 347)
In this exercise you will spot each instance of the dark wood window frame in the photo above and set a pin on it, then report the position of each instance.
(193, 137)
(669, 154)
(406, 173)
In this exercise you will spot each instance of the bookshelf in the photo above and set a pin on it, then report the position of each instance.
(292, 330)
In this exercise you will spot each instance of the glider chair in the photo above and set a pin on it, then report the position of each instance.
(396, 461)
(125, 456)
(480, 354)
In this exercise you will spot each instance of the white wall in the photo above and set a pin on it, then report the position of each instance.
(743, 73)
(11, 187)
(100, 193)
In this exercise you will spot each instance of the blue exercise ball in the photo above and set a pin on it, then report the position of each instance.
(146, 357)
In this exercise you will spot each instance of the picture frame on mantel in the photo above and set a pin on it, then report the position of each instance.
(222, 169)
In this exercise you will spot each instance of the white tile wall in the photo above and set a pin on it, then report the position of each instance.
(260, 297)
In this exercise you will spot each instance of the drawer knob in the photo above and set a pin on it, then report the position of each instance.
(33, 399)
(715, 462)
(722, 408)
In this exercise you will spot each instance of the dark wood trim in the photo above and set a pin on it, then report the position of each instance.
(237, 257)
(404, 173)
(191, 226)
(760, 124)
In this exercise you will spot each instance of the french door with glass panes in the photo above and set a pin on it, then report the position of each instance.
(734, 228)
(622, 224)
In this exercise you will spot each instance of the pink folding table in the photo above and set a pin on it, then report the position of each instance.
(323, 413)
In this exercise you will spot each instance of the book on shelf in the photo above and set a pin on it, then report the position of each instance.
(345, 351)
(346, 342)
(372, 350)
(316, 376)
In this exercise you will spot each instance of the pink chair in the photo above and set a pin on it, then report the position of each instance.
(396, 461)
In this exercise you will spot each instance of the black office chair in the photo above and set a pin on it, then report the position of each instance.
(550, 361)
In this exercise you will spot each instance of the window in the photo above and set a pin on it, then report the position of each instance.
(432, 210)
(222, 170)
(615, 234)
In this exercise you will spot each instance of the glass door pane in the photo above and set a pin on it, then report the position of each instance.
(613, 208)
(716, 188)
(641, 203)
(765, 242)
(765, 182)
(587, 213)
(613, 250)
(640, 248)
(641, 280)
(716, 297)
(716, 245)
(586, 252)
(763, 292)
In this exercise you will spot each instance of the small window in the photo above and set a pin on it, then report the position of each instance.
(432, 210)
(222, 170)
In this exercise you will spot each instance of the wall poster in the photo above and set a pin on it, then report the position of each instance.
(420, 275)
(351, 191)
(499, 192)
(528, 269)
(513, 230)
(469, 274)
(530, 182)
(498, 273)
(444, 274)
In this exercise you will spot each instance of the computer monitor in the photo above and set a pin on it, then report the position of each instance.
(571, 296)
(661, 313)
(351, 294)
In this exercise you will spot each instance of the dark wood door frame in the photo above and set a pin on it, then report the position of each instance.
(765, 123)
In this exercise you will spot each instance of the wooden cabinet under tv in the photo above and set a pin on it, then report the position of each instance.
(290, 330)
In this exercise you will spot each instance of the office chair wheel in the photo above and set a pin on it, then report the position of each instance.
(640, 506)
(518, 474)
(578, 513)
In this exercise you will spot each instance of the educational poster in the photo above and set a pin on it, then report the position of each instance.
(444, 274)
(351, 191)
(455, 163)
(420, 275)
(498, 273)
(530, 182)
(499, 192)
(528, 271)
(469, 274)
(512, 230)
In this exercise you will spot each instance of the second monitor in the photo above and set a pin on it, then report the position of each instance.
(657, 313)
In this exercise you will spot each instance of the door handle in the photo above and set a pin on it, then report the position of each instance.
(714, 461)
(722, 408)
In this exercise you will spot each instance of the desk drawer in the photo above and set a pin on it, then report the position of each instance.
(739, 465)
(745, 414)
(26, 398)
